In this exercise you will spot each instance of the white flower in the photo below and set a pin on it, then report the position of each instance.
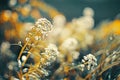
(52, 49)
(59, 21)
(70, 44)
(50, 55)
(89, 61)
(12, 2)
(5, 46)
(85, 22)
(44, 25)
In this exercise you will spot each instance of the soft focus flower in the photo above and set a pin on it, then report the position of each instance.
(12, 3)
(84, 22)
(70, 44)
(59, 21)
(88, 12)
(5, 46)
(52, 51)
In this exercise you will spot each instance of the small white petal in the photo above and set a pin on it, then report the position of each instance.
(24, 58)
(19, 63)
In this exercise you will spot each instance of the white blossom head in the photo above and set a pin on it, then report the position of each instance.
(84, 23)
(5, 46)
(52, 49)
(70, 44)
(12, 3)
(50, 54)
(89, 62)
(59, 21)
(44, 25)
(39, 31)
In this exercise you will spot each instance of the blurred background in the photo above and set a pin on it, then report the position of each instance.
(17, 13)
(104, 9)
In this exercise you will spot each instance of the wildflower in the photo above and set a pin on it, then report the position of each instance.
(50, 54)
(70, 44)
(12, 2)
(5, 46)
(44, 25)
(39, 30)
(59, 21)
(52, 49)
(89, 62)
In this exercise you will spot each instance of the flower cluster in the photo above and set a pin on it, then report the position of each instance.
(35, 47)
(39, 31)
(69, 48)
(70, 44)
(43, 25)
(89, 62)
(50, 55)
(46, 59)
(34, 36)
(4, 46)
